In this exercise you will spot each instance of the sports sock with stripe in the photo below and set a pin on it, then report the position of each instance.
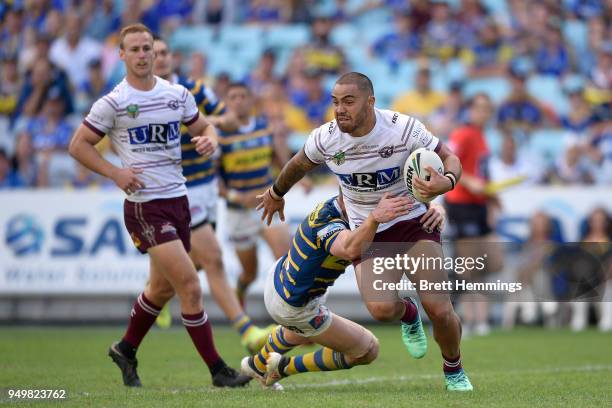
(451, 365)
(242, 324)
(324, 359)
(200, 331)
(142, 317)
(277, 343)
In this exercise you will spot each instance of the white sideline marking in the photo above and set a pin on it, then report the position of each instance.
(552, 370)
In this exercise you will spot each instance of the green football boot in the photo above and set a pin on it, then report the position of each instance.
(413, 336)
(458, 381)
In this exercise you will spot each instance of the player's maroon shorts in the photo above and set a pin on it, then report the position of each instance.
(157, 221)
(409, 231)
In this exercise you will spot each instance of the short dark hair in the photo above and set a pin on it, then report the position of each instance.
(238, 84)
(356, 78)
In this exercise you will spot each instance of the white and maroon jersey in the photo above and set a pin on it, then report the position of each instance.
(372, 165)
(144, 127)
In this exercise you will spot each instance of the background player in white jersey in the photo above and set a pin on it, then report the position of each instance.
(367, 149)
(203, 196)
(142, 117)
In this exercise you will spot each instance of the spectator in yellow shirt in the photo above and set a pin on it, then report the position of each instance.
(422, 101)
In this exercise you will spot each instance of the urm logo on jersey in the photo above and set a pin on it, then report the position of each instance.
(160, 133)
(372, 180)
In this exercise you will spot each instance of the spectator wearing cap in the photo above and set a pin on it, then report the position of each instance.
(401, 43)
(73, 52)
(552, 57)
(313, 100)
(320, 54)
(490, 54)
(423, 100)
(441, 33)
(520, 111)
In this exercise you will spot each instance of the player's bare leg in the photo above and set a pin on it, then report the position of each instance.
(345, 345)
(206, 252)
(248, 262)
(144, 312)
(278, 239)
(445, 322)
(174, 263)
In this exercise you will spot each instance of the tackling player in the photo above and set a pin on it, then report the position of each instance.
(142, 117)
(203, 194)
(367, 149)
(247, 156)
(322, 248)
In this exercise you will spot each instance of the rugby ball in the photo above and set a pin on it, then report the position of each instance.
(415, 167)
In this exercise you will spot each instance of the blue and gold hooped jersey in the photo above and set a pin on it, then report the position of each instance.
(309, 268)
(246, 156)
(197, 169)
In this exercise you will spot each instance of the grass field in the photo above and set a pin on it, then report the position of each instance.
(519, 368)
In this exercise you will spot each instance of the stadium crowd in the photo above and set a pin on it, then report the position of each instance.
(546, 65)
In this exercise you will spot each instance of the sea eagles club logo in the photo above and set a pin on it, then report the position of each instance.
(173, 104)
(385, 151)
(339, 158)
(132, 110)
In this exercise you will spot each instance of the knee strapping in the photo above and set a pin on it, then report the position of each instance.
(366, 354)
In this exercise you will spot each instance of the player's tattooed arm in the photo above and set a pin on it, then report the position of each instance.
(451, 161)
(272, 200)
(293, 172)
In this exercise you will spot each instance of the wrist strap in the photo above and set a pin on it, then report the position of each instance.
(276, 191)
(272, 194)
(453, 179)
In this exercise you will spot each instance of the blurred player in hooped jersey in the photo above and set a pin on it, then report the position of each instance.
(142, 117)
(202, 191)
(367, 149)
(247, 156)
(321, 249)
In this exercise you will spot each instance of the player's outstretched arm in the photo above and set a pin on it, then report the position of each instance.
(205, 139)
(83, 150)
(349, 244)
(272, 200)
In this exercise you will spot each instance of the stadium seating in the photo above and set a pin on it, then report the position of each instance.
(497, 88)
(547, 90)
